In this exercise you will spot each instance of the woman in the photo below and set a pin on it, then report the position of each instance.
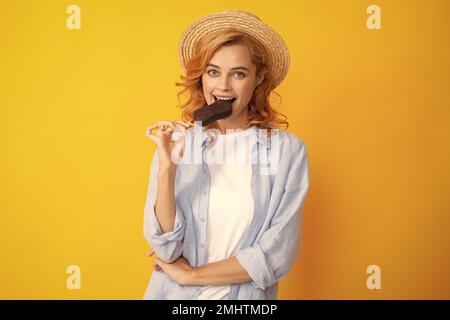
(226, 229)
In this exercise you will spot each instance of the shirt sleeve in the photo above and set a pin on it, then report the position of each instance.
(271, 258)
(167, 246)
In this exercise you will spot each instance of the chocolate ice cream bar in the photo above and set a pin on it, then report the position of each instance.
(209, 113)
(218, 110)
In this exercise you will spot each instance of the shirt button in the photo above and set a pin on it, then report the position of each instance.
(204, 191)
(203, 244)
(202, 219)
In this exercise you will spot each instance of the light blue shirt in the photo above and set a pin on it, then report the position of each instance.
(280, 182)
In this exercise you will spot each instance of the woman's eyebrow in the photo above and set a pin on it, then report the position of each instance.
(235, 68)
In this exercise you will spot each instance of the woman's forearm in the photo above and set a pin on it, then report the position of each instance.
(228, 271)
(165, 198)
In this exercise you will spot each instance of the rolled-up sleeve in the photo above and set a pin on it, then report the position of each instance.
(168, 246)
(271, 258)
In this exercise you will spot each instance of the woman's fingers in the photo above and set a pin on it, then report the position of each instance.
(166, 128)
(155, 262)
(150, 129)
(158, 264)
(170, 124)
(164, 123)
(163, 128)
(180, 127)
(149, 133)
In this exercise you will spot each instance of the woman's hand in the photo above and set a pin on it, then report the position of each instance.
(179, 271)
(163, 139)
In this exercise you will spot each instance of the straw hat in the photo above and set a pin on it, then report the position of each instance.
(247, 23)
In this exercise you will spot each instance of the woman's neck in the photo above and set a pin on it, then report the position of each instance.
(224, 125)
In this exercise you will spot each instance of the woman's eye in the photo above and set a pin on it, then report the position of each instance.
(238, 74)
(211, 72)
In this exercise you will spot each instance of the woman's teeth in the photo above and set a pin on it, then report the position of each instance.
(225, 99)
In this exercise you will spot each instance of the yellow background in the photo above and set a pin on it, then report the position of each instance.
(371, 105)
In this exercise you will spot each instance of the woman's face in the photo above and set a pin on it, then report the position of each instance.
(231, 73)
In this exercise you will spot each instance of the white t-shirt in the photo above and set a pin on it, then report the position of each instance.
(230, 207)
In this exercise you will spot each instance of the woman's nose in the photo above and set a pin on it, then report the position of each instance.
(224, 84)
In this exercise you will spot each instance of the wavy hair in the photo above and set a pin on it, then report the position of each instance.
(260, 112)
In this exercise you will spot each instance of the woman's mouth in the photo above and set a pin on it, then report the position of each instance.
(231, 99)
